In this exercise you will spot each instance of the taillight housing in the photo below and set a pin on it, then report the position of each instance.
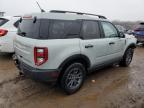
(3, 32)
(40, 55)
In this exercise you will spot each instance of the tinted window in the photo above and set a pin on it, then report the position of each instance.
(64, 29)
(16, 24)
(90, 30)
(28, 28)
(109, 30)
(3, 21)
(49, 29)
(44, 29)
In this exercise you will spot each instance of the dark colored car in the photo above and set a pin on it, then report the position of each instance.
(139, 33)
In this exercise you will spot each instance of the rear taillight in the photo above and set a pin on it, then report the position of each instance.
(40, 55)
(3, 32)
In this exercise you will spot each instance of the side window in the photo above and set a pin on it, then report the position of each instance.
(16, 24)
(44, 28)
(109, 30)
(90, 30)
(60, 29)
(72, 29)
(57, 30)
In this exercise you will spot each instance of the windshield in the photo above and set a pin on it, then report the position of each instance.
(3, 21)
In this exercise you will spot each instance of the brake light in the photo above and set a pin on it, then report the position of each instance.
(27, 17)
(3, 32)
(40, 55)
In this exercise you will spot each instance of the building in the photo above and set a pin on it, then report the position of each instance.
(2, 14)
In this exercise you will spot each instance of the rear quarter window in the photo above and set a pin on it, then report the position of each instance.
(3, 21)
(60, 29)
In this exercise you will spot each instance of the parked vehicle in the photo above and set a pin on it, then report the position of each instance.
(8, 29)
(139, 33)
(63, 47)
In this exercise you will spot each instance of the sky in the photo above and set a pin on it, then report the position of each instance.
(124, 10)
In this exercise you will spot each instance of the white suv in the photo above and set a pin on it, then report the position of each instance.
(8, 29)
(64, 46)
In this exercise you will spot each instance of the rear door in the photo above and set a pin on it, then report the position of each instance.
(93, 45)
(115, 44)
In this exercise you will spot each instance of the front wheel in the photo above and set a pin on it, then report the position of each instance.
(127, 58)
(73, 78)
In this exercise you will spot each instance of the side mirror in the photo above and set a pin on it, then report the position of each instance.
(121, 35)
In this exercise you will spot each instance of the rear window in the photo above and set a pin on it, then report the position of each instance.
(49, 29)
(3, 21)
(28, 28)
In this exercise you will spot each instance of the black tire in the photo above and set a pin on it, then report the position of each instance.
(127, 58)
(73, 78)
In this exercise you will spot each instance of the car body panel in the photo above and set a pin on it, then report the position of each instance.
(58, 50)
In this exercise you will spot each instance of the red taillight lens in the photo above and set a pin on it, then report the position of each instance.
(3, 32)
(40, 55)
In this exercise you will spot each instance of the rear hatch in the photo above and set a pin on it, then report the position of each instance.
(28, 33)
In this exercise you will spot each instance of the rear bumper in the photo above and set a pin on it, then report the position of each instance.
(38, 74)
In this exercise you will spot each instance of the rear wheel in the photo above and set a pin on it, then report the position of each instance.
(127, 58)
(73, 78)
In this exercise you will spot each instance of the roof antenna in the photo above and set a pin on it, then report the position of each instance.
(40, 7)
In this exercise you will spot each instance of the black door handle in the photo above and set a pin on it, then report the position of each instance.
(111, 43)
(89, 46)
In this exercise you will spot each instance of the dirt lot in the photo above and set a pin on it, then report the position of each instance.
(112, 87)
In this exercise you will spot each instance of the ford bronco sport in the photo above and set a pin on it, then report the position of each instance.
(64, 46)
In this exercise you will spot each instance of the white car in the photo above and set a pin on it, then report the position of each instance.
(8, 29)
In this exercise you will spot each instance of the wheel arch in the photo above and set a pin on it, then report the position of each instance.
(75, 58)
(132, 45)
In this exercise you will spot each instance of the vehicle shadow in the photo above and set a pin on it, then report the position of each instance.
(5, 56)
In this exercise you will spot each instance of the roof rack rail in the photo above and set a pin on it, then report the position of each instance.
(79, 13)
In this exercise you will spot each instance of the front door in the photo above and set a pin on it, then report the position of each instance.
(115, 43)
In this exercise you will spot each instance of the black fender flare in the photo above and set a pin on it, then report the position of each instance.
(132, 45)
(73, 58)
